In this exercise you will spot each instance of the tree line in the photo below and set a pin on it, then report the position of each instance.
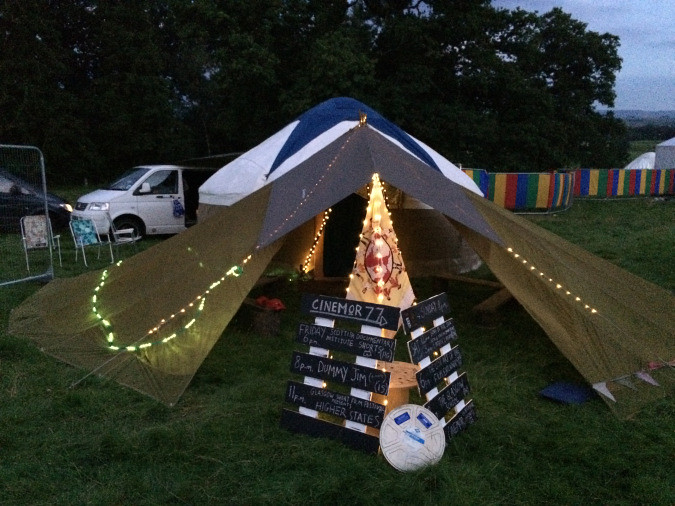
(100, 86)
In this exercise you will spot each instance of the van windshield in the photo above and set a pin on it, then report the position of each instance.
(128, 179)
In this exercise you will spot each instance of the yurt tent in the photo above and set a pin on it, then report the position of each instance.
(665, 155)
(136, 324)
(432, 244)
(642, 162)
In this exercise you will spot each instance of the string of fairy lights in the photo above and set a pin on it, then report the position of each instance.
(558, 286)
(306, 265)
(197, 302)
(312, 190)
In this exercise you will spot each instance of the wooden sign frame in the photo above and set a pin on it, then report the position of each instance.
(425, 344)
(356, 409)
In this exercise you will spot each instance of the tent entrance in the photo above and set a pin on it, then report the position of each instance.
(341, 236)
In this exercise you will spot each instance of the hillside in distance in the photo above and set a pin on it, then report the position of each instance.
(637, 118)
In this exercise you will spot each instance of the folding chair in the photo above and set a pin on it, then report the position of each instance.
(85, 234)
(36, 233)
(122, 236)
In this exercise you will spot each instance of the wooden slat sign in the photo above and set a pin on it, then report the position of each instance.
(331, 338)
(296, 422)
(449, 397)
(431, 340)
(365, 313)
(352, 375)
(344, 406)
(425, 311)
(313, 398)
(460, 421)
(443, 370)
(440, 368)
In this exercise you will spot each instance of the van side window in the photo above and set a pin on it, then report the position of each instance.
(163, 182)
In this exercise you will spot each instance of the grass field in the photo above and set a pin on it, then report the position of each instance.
(101, 443)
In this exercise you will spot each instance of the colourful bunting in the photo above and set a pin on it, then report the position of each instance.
(601, 387)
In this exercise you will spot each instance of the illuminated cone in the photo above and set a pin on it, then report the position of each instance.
(379, 274)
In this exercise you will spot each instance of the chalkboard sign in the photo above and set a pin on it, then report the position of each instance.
(440, 368)
(449, 397)
(460, 421)
(365, 313)
(352, 375)
(344, 406)
(433, 339)
(296, 422)
(331, 338)
(425, 311)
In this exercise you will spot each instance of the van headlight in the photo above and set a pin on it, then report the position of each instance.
(67, 207)
(99, 206)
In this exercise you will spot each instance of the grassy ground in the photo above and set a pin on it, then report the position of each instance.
(104, 444)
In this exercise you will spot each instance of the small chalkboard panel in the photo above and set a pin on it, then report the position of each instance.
(433, 339)
(425, 311)
(331, 338)
(365, 313)
(440, 368)
(296, 422)
(344, 406)
(460, 421)
(352, 375)
(449, 397)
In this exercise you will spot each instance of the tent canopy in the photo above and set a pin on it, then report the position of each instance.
(609, 323)
(311, 133)
(642, 162)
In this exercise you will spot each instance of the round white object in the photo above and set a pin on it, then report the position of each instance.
(411, 437)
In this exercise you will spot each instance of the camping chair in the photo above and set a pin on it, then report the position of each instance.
(119, 237)
(85, 234)
(36, 233)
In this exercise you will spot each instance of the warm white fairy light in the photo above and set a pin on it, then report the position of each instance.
(374, 216)
(543, 276)
(308, 259)
(309, 194)
(199, 301)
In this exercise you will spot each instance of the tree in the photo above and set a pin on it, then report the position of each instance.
(100, 86)
(36, 99)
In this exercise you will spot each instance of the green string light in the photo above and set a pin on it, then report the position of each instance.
(199, 302)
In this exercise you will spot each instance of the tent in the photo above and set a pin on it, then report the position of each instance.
(642, 162)
(418, 225)
(665, 155)
(610, 324)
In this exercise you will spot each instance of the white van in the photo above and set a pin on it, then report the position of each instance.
(151, 199)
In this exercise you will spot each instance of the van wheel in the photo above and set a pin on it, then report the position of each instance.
(123, 222)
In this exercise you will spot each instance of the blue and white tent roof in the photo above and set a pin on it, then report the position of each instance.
(306, 136)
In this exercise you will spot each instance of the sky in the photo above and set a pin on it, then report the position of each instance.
(646, 28)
